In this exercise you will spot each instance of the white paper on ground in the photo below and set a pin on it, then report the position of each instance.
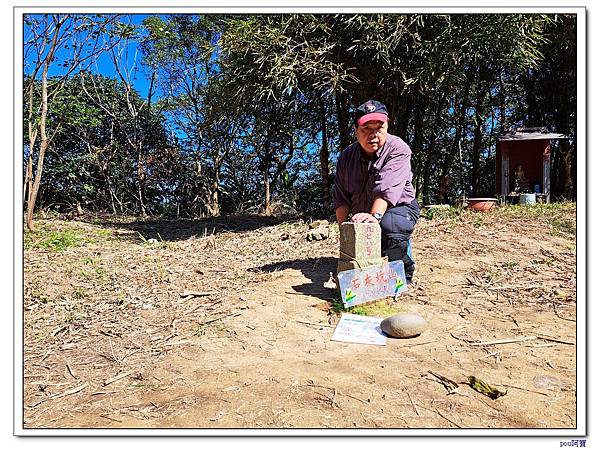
(359, 330)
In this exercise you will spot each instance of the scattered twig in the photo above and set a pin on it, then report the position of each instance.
(498, 353)
(334, 391)
(106, 416)
(449, 384)
(74, 390)
(452, 422)
(45, 355)
(420, 343)
(524, 389)
(555, 307)
(461, 339)
(512, 287)
(333, 402)
(133, 352)
(197, 293)
(505, 341)
(206, 322)
(413, 403)
(204, 305)
(109, 333)
(310, 384)
(182, 342)
(71, 371)
(355, 398)
(565, 318)
(547, 338)
(112, 349)
(117, 378)
(58, 330)
(103, 392)
(315, 324)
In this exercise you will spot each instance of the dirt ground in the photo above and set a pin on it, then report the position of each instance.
(112, 340)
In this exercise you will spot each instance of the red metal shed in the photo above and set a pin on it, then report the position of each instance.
(523, 163)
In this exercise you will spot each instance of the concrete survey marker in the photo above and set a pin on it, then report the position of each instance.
(360, 241)
(344, 264)
(359, 286)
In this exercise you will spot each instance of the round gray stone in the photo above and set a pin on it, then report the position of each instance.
(403, 325)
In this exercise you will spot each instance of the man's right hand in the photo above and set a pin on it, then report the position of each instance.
(363, 218)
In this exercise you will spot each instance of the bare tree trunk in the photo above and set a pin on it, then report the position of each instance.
(28, 181)
(462, 117)
(477, 144)
(431, 149)
(33, 191)
(32, 131)
(34, 188)
(38, 174)
(216, 210)
(112, 195)
(212, 203)
(324, 160)
(140, 179)
(502, 101)
(267, 184)
(418, 142)
(106, 171)
(427, 169)
(566, 156)
(341, 104)
(403, 119)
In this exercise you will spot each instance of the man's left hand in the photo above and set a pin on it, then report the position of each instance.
(363, 218)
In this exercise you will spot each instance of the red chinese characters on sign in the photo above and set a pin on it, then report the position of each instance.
(369, 240)
(361, 285)
(381, 277)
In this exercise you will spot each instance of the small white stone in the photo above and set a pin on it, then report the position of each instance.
(403, 325)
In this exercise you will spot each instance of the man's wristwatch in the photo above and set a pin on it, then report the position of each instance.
(377, 216)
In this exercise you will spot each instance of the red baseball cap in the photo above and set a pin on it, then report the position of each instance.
(371, 110)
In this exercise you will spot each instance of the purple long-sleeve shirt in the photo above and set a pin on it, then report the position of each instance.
(389, 176)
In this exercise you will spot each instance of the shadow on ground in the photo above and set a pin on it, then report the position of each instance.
(166, 229)
(317, 270)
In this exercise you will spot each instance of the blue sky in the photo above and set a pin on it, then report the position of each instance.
(131, 56)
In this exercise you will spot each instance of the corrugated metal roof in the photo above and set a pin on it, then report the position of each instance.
(527, 136)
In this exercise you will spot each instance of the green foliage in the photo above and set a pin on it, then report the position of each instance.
(56, 241)
(558, 216)
(91, 161)
(510, 264)
(253, 109)
(337, 305)
(560, 225)
(485, 388)
(380, 308)
(441, 213)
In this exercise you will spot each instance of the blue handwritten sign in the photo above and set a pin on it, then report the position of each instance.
(371, 283)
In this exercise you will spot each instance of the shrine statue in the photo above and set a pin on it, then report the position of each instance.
(520, 181)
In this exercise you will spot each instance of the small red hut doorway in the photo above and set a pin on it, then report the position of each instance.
(523, 163)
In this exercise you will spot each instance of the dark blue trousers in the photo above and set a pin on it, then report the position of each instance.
(397, 225)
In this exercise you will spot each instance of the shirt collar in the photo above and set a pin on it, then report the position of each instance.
(364, 158)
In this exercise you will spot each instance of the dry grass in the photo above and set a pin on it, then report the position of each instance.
(105, 308)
